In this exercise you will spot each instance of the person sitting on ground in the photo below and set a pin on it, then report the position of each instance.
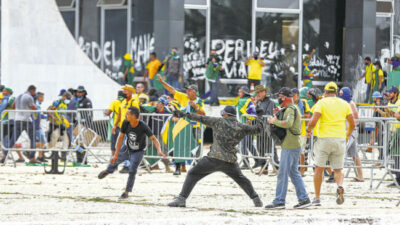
(227, 133)
(351, 145)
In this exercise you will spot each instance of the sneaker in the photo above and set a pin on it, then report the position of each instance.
(257, 202)
(124, 170)
(124, 196)
(316, 202)
(303, 204)
(275, 206)
(177, 172)
(178, 202)
(2, 160)
(103, 174)
(339, 195)
(40, 159)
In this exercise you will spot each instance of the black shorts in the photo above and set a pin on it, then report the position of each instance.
(255, 82)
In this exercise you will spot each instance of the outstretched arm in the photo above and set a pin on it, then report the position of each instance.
(206, 120)
(169, 88)
(253, 129)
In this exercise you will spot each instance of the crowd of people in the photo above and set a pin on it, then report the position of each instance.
(332, 121)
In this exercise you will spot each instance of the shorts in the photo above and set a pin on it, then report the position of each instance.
(351, 145)
(40, 136)
(255, 82)
(330, 149)
(303, 141)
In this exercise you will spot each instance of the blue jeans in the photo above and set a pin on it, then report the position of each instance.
(173, 81)
(134, 158)
(288, 167)
(123, 155)
(214, 91)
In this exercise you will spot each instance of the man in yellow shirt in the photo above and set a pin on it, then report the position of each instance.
(255, 64)
(114, 108)
(331, 112)
(368, 75)
(129, 101)
(152, 68)
(140, 92)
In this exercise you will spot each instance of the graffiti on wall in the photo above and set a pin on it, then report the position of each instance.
(194, 59)
(141, 47)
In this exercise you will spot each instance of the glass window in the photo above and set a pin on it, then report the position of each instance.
(114, 41)
(382, 38)
(231, 38)
(69, 19)
(323, 23)
(195, 47)
(277, 38)
(282, 4)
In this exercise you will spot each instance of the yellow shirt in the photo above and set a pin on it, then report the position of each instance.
(183, 99)
(124, 108)
(369, 71)
(394, 109)
(1, 95)
(303, 124)
(152, 68)
(115, 107)
(255, 69)
(334, 112)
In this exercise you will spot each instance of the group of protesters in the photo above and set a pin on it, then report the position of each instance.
(61, 125)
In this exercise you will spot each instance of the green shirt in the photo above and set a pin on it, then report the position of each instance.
(292, 126)
(212, 71)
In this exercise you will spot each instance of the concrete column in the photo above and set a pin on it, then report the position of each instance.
(169, 24)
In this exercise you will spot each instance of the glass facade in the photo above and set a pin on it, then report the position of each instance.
(194, 55)
(382, 38)
(277, 38)
(69, 19)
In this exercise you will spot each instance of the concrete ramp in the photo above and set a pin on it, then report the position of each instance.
(37, 48)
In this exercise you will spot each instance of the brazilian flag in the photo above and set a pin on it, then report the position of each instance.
(185, 144)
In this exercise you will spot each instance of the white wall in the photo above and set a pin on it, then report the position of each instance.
(37, 48)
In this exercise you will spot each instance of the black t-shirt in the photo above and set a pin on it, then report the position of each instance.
(136, 137)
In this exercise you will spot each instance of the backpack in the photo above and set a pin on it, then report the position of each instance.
(278, 133)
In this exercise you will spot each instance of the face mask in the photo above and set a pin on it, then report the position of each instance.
(79, 99)
(123, 96)
(173, 53)
(306, 61)
(366, 64)
(67, 101)
(280, 101)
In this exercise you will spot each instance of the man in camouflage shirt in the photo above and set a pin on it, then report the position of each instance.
(227, 133)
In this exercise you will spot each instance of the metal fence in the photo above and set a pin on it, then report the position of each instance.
(85, 135)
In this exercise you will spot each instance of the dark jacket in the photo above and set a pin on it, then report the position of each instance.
(227, 133)
(173, 66)
(267, 105)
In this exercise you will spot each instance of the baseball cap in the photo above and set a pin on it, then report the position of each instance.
(393, 89)
(331, 86)
(285, 91)
(62, 91)
(295, 91)
(9, 89)
(228, 110)
(193, 87)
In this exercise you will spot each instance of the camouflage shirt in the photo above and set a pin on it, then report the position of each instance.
(227, 133)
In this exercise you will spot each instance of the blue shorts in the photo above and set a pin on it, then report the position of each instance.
(40, 136)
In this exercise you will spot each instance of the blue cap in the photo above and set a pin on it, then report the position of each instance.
(62, 91)
(393, 89)
(376, 94)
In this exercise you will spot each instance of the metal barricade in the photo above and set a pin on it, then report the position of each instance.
(391, 153)
(32, 131)
(259, 148)
(92, 135)
(180, 139)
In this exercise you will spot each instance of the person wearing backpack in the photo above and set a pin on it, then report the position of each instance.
(290, 155)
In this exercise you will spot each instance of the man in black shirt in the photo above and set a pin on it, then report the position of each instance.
(136, 132)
